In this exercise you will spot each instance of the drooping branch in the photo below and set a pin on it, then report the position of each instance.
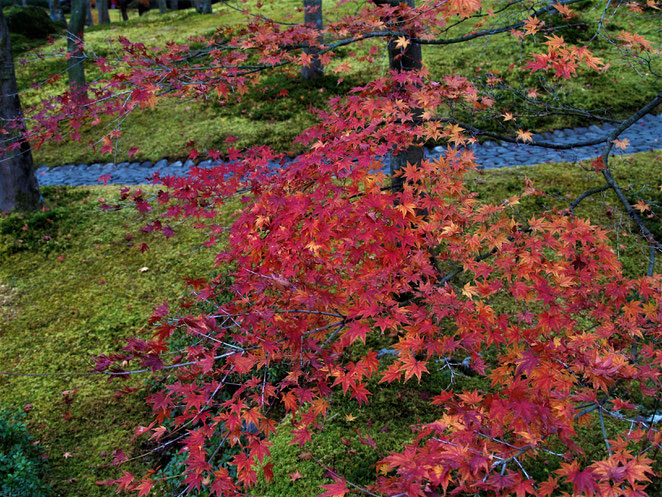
(645, 232)
(491, 32)
(587, 194)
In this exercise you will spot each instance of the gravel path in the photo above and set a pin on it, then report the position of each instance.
(644, 135)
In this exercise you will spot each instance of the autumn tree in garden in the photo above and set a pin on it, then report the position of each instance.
(331, 258)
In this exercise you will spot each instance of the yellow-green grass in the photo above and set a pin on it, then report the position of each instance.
(56, 314)
(618, 90)
(67, 299)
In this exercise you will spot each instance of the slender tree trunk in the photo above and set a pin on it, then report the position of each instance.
(24, 3)
(313, 16)
(407, 59)
(123, 4)
(18, 184)
(143, 6)
(102, 10)
(55, 10)
(174, 4)
(163, 7)
(74, 44)
(89, 20)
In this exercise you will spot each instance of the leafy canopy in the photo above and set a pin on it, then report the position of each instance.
(330, 256)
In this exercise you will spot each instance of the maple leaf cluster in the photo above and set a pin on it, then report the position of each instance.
(563, 59)
(325, 255)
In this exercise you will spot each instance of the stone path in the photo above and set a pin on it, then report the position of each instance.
(644, 135)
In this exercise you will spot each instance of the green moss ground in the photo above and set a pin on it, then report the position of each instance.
(163, 132)
(56, 314)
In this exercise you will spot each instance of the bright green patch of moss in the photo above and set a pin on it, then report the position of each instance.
(69, 298)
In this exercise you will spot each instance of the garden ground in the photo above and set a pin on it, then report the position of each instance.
(74, 283)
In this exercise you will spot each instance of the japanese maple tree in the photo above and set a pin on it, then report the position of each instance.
(331, 255)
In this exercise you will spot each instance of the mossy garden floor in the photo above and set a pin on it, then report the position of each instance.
(74, 284)
(280, 110)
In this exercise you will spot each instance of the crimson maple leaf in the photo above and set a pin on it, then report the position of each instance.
(336, 489)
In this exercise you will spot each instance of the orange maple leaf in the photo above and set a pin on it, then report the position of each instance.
(622, 144)
(294, 476)
(401, 42)
(555, 42)
(532, 25)
(564, 10)
(525, 136)
(533, 93)
(641, 206)
(412, 367)
(635, 41)
(305, 59)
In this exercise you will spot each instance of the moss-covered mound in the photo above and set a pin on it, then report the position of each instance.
(31, 22)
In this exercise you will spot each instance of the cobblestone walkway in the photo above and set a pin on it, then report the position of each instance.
(644, 135)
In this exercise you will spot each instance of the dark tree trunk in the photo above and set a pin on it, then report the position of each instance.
(55, 10)
(202, 6)
(123, 5)
(143, 6)
(18, 185)
(102, 10)
(313, 16)
(163, 6)
(407, 59)
(174, 4)
(89, 20)
(74, 44)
